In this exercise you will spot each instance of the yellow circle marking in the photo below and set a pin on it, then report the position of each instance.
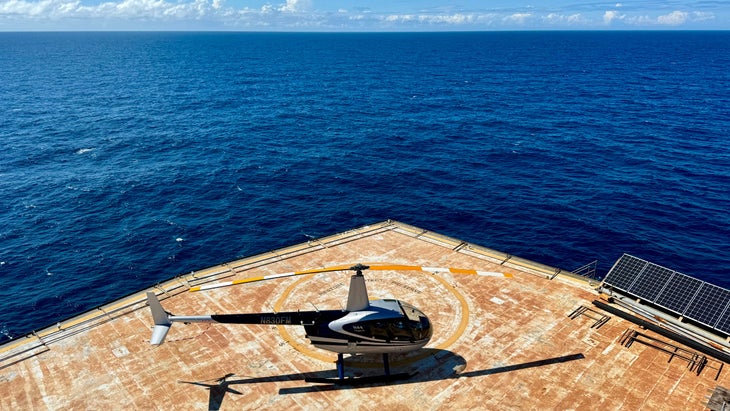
(464, 314)
(304, 349)
(285, 334)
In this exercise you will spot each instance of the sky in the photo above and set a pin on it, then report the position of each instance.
(353, 15)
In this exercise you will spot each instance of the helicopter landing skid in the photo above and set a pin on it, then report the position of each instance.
(341, 380)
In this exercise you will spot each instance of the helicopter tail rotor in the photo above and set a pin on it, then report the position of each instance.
(161, 318)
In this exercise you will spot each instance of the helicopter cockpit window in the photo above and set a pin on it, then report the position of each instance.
(379, 329)
(399, 330)
(412, 326)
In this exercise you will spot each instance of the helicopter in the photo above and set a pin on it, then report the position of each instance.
(384, 326)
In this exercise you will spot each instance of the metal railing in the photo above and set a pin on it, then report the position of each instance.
(588, 270)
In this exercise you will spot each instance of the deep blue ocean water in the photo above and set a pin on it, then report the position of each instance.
(129, 158)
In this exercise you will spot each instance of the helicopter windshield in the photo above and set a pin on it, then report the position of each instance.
(418, 323)
(413, 313)
(412, 325)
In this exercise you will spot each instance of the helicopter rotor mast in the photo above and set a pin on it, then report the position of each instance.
(357, 297)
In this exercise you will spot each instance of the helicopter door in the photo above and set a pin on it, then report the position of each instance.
(379, 330)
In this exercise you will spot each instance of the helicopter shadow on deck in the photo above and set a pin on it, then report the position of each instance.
(434, 365)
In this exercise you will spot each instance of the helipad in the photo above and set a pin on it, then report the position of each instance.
(533, 341)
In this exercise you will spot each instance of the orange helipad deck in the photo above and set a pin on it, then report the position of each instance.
(533, 341)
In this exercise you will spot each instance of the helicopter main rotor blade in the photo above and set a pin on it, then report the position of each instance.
(269, 277)
(436, 270)
(353, 267)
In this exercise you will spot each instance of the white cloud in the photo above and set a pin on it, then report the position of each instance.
(640, 20)
(555, 18)
(455, 19)
(519, 18)
(674, 18)
(126, 9)
(34, 9)
(125, 14)
(303, 15)
(702, 16)
(399, 17)
(610, 15)
(295, 6)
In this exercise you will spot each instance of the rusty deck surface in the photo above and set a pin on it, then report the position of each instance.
(499, 343)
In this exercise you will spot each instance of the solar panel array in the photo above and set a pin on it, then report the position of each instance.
(689, 297)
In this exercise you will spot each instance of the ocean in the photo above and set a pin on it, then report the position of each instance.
(130, 158)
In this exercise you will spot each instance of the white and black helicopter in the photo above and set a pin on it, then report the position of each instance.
(363, 327)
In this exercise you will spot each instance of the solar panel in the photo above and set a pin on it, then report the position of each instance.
(651, 282)
(677, 295)
(723, 324)
(709, 304)
(685, 296)
(625, 271)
